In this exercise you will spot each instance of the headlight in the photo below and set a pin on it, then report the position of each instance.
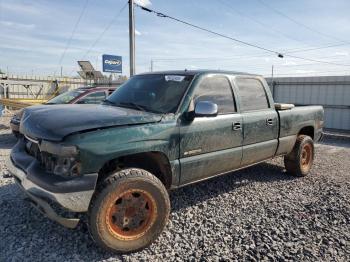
(59, 149)
(60, 159)
(67, 166)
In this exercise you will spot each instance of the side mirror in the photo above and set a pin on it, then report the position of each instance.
(206, 108)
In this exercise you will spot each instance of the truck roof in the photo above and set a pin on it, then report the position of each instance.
(196, 72)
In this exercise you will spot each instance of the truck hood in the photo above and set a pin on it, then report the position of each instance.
(54, 122)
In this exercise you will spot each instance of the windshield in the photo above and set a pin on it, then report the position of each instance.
(65, 98)
(155, 93)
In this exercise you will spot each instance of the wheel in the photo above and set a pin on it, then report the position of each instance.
(129, 211)
(299, 161)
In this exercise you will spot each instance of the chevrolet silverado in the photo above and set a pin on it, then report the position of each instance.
(115, 163)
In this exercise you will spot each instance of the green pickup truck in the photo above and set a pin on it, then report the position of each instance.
(113, 164)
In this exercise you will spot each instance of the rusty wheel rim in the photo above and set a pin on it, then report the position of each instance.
(131, 214)
(306, 157)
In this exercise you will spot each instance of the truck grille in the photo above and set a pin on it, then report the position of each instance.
(32, 148)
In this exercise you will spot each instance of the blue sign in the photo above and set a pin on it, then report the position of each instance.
(112, 63)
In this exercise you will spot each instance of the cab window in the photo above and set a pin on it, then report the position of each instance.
(252, 94)
(216, 89)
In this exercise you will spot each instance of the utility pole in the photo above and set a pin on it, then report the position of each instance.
(151, 65)
(132, 37)
(272, 73)
(61, 70)
(273, 85)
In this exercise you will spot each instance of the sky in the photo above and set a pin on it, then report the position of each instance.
(34, 35)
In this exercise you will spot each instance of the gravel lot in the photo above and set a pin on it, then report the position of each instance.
(256, 214)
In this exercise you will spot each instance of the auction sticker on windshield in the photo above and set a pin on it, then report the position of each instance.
(176, 78)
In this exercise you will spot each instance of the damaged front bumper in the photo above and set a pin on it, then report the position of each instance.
(46, 190)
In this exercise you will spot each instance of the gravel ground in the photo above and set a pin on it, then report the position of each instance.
(259, 213)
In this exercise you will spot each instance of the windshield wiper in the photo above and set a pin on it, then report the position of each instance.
(124, 104)
(108, 102)
(133, 105)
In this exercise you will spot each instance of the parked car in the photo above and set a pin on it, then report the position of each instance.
(82, 95)
(159, 131)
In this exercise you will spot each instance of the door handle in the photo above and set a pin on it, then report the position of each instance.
(269, 122)
(236, 126)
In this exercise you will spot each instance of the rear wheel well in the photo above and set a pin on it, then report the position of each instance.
(156, 163)
(308, 130)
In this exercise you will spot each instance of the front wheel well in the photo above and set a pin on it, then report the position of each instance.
(154, 162)
(307, 130)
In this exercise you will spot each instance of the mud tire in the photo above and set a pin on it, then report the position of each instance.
(135, 219)
(300, 160)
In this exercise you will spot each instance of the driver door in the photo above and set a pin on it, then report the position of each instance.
(211, 145)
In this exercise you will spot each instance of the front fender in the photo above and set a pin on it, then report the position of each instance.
(99, 146)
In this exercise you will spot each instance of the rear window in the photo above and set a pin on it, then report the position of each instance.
(252, 94)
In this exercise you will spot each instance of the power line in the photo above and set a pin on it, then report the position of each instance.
(255, 66)
(316, 48)
(210, 31)
(105, 30)
(265, 26)
(175, 59)
(317, 61)
(280, 55)
(299, 23)
(73, 32)
(115, 18)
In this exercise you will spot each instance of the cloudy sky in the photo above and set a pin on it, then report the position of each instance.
(35, 35)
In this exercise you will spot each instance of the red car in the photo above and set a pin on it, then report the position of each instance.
(82, 95)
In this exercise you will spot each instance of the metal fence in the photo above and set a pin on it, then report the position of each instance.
(332, 92)
(35, 87)
(20, 91)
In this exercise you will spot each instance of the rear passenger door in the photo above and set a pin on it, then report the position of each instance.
(211, 145)
(260, 121)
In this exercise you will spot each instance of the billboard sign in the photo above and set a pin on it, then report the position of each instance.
(112, 63)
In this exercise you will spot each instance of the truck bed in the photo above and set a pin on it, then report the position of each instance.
(293, 120)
